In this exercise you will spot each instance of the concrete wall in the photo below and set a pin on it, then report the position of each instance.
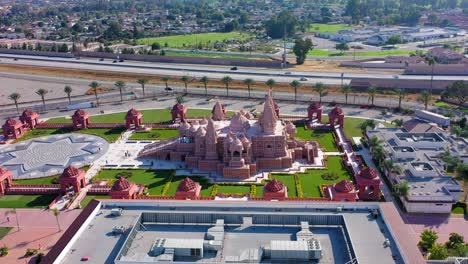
(438, 208)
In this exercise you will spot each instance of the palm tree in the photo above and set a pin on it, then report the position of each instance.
(166, 79)
(142, 82)
(186, 80)
(68, 90)
(372, 90)
(15, 97)
(366, 124)
(425, 97)
(402, 188)
(42, 92)
(205, 81)
(270, 83)
(248, 82)
(346, 89)
(121, 85)
(390, 166)
(373, 142)
(95, 85)
(56, 213)
(13, 211)
(431, 61)
(401, 93)
(227, 80)
(321, 89)
(295, 84)
(379, 154)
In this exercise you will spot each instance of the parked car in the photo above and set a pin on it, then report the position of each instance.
(234, 68)
(168, 89)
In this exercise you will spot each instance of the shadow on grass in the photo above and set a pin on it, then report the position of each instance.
(41, 201)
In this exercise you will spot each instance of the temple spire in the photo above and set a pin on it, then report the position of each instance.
(269, 117)
(211, 140)
(218, 111)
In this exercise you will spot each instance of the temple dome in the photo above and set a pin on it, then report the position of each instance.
(203, 122)
(121, 184)
(3, 171)
(369, 173)
(29, 113)
(187, 185)
(133, 112)
(201, 132)
(336, 111)
(80, 112)
(184, 126)
(274, 186)
(315, 106)
(239, 123)
(291, 128)
(344, 186)
(70, 171)
(11, 122)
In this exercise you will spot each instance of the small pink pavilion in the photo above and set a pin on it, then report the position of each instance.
(5, 180)
(13, 129)
(336, 116)
(188, 189)
(124, 189)
(29, 118)
(80, 119)
(275, 190)
(179, 111)
(315, 109)
(72, 178)
(368, 184)
(341, 191)
(133, 119)
(218, 111)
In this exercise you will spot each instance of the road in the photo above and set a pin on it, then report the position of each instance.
(213, 72)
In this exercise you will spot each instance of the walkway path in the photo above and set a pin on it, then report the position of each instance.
(367, 156)
(348, 148)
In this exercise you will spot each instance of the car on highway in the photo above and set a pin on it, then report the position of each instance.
(287, 73)
(15, 59)
(303, 79)
(121, 60)
(101, 59)
(115, 61)
(234, 68)
(168, 89)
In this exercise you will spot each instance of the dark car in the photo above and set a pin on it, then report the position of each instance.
(15, 59)
(234, 68)
(121, 60)
(101, 59)
(168, 89)
(115, 61)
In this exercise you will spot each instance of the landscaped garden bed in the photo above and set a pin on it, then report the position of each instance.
(155, 134)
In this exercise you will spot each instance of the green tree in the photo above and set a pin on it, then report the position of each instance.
(401, 93)
(249, 82)
(15, 97)
(42, 93)
(301, 48)
(342, 47)
(95, 85)
(431, 62)
(425, 97)
(227, 80)
(462, 174)
(398, 122)
(395, 39)
(142, 82)
(373, 141)
(438, 251)
(346, 89)
(371, 91)
(402, 188)
(321, 89)
(185, 79)
(455, 239)
(166, 79)
(428, 239)
(270, 83)
(457, 91)
(282, 25)
(295, 84)
(120, 85)
(379, 154)
(68, 90)
(369, 123)
(205, 81)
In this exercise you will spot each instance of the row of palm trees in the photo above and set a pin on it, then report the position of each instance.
(320, 88)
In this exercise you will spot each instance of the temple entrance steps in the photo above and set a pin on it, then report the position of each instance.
(153, 148)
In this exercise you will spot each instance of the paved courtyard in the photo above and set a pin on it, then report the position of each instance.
(38, 229)
(45, 156)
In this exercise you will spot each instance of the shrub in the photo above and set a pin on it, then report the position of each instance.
(322, 193)
(167, 185)
(214, 191)
(300, 194)
(428, 239)
(330, 176)
(253, 190)
(124, 174)
(30, 252)
(3, 251)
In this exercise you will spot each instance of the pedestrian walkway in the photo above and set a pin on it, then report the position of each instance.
(367, 156)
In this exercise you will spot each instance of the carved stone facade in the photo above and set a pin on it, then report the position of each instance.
(237, 147)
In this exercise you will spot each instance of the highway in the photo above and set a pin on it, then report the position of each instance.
(213, 72)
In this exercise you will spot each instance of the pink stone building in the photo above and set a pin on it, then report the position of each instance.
(188, 189)
(179, 111)
(133, 119)
(336, 116)
(29, 118)
(124, 189)
(5, 180)
(341, 191)
(13, 129)
(72, 179)
(368, 184)
(237, 147)
(80, 119)
(315, 109)
(275, 190)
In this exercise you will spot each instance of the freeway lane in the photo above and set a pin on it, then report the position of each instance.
(215, 72)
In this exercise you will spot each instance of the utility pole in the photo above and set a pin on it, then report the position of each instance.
(284, 46)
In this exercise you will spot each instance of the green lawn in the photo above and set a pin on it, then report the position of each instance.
(234, 189)
(324, 137)
(26, 201)
(324, 53)
(192, 40)
(152, 179)
(327, 28)
(109, 134)
(288, 180)
(451, 106)
(89, 198)
(207, 186)
(311, 180)
(329, 53)
(4, 231)
(149, 116)
(44, 180)
(155, 134)
(459, 208)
